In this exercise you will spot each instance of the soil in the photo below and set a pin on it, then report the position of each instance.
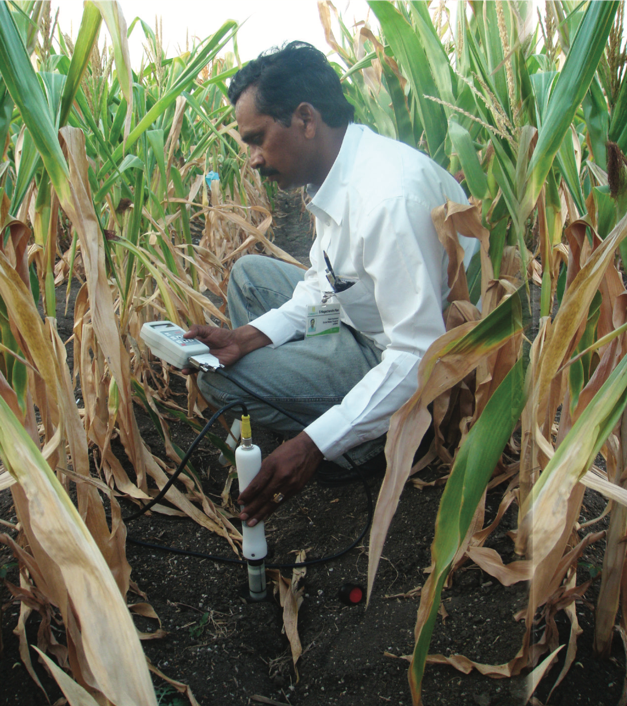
(232, 653)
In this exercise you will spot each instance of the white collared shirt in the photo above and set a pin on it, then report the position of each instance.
(373, 219)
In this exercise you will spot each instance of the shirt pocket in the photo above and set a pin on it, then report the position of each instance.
(358, 306)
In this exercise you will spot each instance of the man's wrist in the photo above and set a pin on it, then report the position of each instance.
(250, 338)
(312, 450)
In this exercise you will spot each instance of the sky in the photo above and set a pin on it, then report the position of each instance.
(268, 22)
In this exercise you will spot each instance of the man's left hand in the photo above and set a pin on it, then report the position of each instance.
(285, 471)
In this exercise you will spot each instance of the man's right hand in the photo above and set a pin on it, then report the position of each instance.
(228, 345)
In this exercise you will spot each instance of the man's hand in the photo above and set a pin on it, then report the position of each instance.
(227, 345)
(284, 471)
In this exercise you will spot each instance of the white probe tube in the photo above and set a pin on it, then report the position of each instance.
(254, 546)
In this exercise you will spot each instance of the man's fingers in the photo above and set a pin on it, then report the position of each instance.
(266, 509)
(260, 501)
(255, 488)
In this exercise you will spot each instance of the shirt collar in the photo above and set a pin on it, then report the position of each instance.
(329, 199)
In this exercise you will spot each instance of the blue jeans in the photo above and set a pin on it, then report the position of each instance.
(305, 376)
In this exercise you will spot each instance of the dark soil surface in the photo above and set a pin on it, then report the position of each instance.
(231, 652)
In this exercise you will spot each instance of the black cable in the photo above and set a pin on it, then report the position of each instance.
(242, 562)
(197, 440)
(186, 458)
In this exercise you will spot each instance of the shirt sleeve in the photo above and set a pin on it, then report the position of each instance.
(401, 260)
(288, 321)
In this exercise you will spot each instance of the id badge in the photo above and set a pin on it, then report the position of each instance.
(322, 320)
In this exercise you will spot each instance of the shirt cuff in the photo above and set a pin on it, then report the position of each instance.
(276, 326)
(334, 435)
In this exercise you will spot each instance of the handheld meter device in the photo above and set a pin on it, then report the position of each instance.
(166, 341)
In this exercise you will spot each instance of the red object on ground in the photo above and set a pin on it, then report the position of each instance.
(351, 594)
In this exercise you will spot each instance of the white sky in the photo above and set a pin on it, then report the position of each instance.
(269, 23)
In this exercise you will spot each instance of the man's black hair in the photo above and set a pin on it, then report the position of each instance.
(285, 78)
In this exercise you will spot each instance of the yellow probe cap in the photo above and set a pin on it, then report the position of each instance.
(245, 431)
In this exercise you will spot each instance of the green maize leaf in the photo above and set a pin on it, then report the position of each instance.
(618, 124)
(463, 57)
(13, 369)
(575, 383)
(26, 92)
(155, 138)
(129, 162)
(148, 264)
(542, 83)
(6, 114)
(413, 61)
(503, 168)
(202, 147)
(498, 236)
(487, 22)
(148, 31)
(382, 118)
(118, 122)
(168, 257)
(528, 114)
(436, 55)
(478, 66)
(404, 129)
(568, 167)
(473, 275)
(465, 149)
(605, 210)
(94, 129)
(213, 46)
(469, 477)
(53, 85)
(104, 109)
(85, 40)
(597, 121)
(112, 14)
(191, 100)
(27, 26)
(156, 208)
(133, 231)
(180, 191)
(356, 67)
(589, 335)
(29, 164)
(570, 88)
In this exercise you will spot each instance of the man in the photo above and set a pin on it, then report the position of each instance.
(375, 243)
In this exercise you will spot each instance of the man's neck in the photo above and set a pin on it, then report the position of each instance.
(330, 146)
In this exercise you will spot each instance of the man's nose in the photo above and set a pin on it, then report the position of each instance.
(256, 157)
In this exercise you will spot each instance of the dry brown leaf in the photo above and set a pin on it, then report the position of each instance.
(490, 561)
(291, 598)
(536, 676)
(179, 686)
(75, 693)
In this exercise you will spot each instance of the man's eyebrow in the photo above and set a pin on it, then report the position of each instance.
(250, 135)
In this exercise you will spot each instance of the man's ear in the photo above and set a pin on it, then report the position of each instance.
(308, 117)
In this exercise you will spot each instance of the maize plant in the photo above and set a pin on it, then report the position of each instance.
(531, 118)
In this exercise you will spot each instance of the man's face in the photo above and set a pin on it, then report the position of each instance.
(278, 152)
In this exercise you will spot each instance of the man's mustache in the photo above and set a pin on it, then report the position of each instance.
(267, 172)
